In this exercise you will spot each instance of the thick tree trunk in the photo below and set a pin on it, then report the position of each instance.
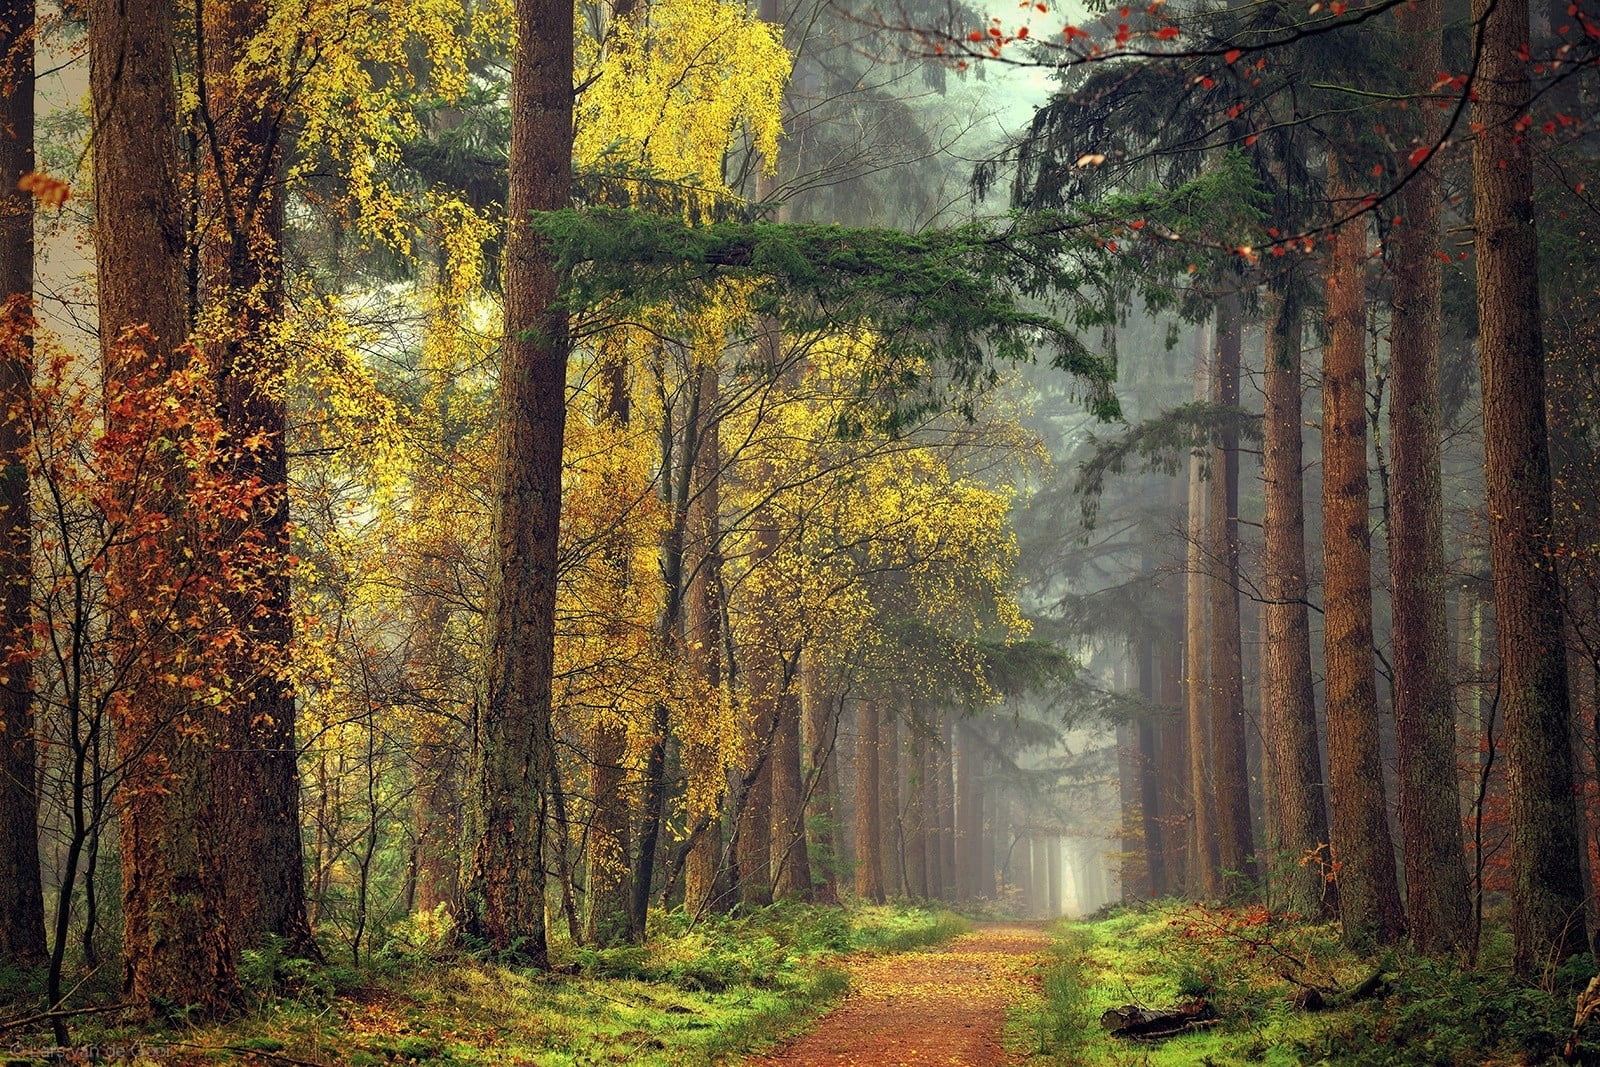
(1289, 710)
(869, 825)
(1229, 766)
(258, 770)
(1440, 915)
(506, 903)
(21, 894)
(177, 945)
(1369, 895)
(1205, 877)
(1547, 889)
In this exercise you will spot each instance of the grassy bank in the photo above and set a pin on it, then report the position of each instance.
(694, 994)
(1252, 967)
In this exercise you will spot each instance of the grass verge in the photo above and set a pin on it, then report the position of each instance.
(693, 994)
(1249, 964)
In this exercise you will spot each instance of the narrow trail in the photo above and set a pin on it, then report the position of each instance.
(943, 1006)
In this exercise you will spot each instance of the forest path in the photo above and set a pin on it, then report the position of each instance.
(944, 1006)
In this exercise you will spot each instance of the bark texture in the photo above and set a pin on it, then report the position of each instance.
(258, 770)
(1440, 914)
(1547, 898)
(1229, 767)
(1369, 893)
(506, 905)
(1205, 876)
(1289, 710)
(177, 944)
(21, 896)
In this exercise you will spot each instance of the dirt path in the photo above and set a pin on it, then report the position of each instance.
(944, 1006)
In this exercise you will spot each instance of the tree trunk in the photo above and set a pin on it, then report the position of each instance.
(177, 946)
(821, 710)
(258, 769)
(506, 903)
(928, 765)
(894, 883)
(969, 815)
(1155, 884)
(606, 858)
(1205, 877)
(791, 860)
(1229, 768)
(869, 825)
(1547, 890)
(1369, 896)
(1430, 805)
(1289, 710)
(917, 812)
(21, 893)
(1175, 792)
(705, 880)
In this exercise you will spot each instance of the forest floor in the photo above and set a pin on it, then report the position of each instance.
(1253, 969)
(945, 1006)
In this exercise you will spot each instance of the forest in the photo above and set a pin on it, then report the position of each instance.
(796, 533)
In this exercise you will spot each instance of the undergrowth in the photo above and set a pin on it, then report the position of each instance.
(1248, 963)
(696, 993)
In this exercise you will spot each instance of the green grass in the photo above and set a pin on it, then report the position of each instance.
(694, 994)
(1430, 1014)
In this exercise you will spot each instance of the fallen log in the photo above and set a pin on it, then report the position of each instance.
(1141, 1024)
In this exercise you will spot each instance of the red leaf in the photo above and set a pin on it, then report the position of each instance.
(1418, 155)
(1231, 54)
(1166, 33)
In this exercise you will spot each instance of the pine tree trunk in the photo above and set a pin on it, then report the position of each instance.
(1430, 821)
(791, 860)
(928, 764)
(21, 893)
(1205, 877)
(1289, 710)
(258, 771)
(916, 827)
(944, 774)
(506, 902)
(889, 803)
(1155, 884)
(606, 859)
(177, 945)
(1229, 767)
(969, 817)
(705, 880)
(869, 825)
(1547, 890)
(1369, 896)
(822, 737)
(1174, 760)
